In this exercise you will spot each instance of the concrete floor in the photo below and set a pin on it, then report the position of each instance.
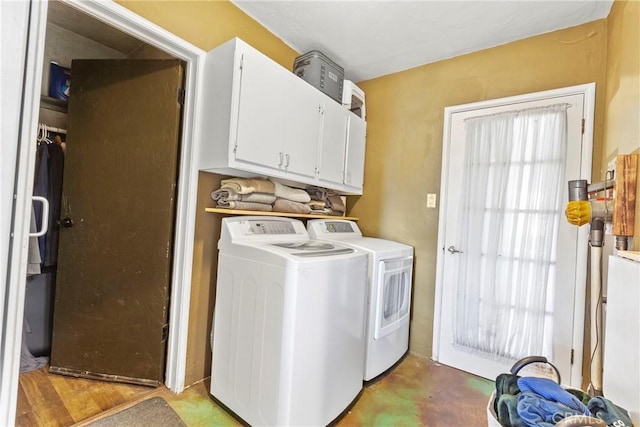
(417, 392)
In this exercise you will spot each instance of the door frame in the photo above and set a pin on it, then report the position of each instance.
(588, 90)
(136, 26)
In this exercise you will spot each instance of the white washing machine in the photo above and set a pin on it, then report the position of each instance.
(288, 328)
(389, 291)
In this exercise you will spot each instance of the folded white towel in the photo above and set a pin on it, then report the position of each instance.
(336, 204)
(248, 185)
(245, 206)
(228, 195)
(293, 194)
(317, 205)
(325, 211)
(284, 205)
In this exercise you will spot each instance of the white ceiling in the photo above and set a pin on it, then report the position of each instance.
(371, 38)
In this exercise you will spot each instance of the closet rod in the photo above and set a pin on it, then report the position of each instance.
(56, 130)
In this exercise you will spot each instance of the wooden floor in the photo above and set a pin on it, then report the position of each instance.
(54, 400)
(416, 392)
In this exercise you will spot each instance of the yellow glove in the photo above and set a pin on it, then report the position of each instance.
(578, 212)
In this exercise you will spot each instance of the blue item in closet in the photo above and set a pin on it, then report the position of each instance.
(59, 81)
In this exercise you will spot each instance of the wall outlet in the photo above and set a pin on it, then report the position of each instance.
(431, 200)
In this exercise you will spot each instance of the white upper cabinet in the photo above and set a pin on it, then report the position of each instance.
(261, 119)
(272, 130)
(342, 149)
(355, 149)
(332, 143)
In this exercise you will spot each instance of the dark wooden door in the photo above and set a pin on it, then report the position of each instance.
(118, 208)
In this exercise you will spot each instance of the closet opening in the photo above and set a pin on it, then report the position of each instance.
(97, 294)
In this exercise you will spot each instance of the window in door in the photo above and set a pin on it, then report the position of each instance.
(510, 276)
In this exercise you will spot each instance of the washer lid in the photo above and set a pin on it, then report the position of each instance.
(380, 246)
(313, 248)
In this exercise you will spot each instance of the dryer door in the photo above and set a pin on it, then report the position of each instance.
(393, 294)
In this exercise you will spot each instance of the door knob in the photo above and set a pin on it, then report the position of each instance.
(67, 222)
(453, 250)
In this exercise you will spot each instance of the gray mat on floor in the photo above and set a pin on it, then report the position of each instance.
(154, 412)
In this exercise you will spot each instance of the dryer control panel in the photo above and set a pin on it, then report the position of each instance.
(333, 229)
(339, 227)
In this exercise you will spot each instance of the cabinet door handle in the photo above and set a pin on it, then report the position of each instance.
(286, 161)
(281, 159)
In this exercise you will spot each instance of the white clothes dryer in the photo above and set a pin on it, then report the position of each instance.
(288, 329)
(389, 291)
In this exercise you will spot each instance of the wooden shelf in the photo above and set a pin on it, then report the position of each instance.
(53, 104)
(287, 214)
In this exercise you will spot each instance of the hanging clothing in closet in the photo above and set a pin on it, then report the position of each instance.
(34, 260)
(43, 254)
(41, 189)
(48, 184)
(56, 166)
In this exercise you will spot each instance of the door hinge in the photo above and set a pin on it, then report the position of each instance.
(241, 61)
(583, 126)
(572, 354)
(181, 95)
(165, 332)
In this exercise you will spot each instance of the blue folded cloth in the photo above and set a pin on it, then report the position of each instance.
(552, 391)
(536, 411)
(609, 412)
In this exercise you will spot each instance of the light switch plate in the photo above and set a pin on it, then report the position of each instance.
(431, 200)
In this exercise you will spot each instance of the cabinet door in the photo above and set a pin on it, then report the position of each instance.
(260, 121)
(333, 142)
(300, 130)
(356, 142)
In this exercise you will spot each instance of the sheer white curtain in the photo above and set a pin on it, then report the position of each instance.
(513, 180)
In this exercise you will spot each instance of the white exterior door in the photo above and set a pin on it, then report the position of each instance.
(564, 313)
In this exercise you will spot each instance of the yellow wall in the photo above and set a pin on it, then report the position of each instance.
(207, 24)
(405, 114)
(622, 113)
